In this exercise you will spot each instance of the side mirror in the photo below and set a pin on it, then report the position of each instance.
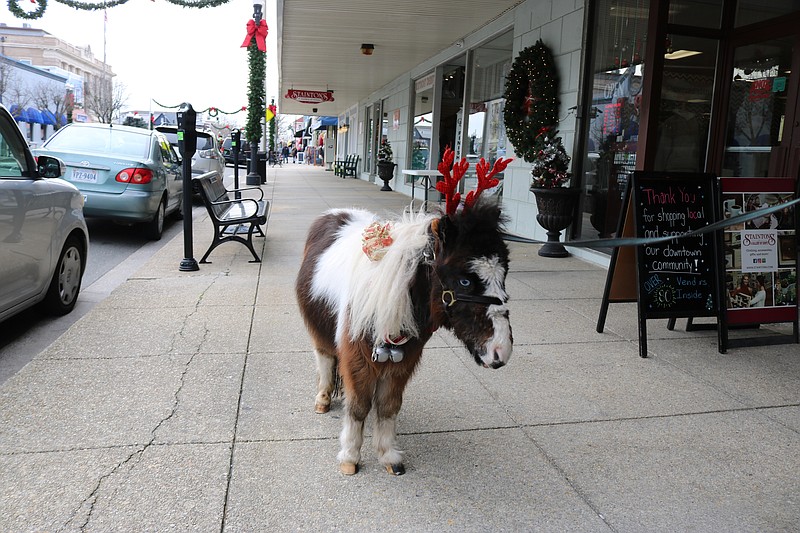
(50, 167)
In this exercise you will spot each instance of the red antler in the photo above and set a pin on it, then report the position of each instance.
(486, 181)
(449, 184)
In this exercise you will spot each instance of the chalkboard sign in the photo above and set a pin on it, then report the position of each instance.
(679, 277)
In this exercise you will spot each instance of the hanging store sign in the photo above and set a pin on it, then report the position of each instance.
(310, 97)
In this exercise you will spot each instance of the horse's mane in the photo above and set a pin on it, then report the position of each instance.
(379, 296)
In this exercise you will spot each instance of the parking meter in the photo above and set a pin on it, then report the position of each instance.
(187, 146)
(236, 138)
(187, 131)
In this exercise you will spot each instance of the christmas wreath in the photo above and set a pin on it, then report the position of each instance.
(531, 94)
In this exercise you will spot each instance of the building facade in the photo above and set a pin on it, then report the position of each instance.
(656, 85)
(85, 73)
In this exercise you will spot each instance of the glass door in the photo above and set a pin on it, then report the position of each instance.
(762, 110)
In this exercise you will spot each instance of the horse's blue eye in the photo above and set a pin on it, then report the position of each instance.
(464, 282)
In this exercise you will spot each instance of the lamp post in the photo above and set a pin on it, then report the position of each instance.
(256, 50)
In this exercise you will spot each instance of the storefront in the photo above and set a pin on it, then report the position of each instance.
(712, 92)
(703, 85)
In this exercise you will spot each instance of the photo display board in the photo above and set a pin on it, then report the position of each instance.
(676, 278)
(760, 256)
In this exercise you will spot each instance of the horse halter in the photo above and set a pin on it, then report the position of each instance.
(449, 297)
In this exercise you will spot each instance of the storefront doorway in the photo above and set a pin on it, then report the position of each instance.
(726, 99)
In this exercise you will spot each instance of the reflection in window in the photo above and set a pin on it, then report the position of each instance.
(612, 122)
(485, 128)
(685, 113)
(757, 107)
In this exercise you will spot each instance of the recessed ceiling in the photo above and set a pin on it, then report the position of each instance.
(320, 43)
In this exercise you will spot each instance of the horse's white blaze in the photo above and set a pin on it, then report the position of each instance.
(493, 275)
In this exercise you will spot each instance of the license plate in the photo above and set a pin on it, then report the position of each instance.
(84, 175)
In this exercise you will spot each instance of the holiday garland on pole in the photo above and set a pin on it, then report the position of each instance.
(531, 96)
(257, 60)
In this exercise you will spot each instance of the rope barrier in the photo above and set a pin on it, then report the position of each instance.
(639, 241)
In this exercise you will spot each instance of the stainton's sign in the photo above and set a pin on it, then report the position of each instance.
(309, 97)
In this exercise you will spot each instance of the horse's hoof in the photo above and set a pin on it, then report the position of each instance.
(321, 408)
(348, 469)
(396, 470)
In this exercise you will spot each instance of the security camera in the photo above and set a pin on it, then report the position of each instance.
(314, 109)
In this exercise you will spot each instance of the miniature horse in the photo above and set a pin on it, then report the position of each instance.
(372, 295)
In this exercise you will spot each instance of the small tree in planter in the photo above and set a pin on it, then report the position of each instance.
(385, 164)
(531, 120)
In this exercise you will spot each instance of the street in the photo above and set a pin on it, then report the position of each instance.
(115, 252)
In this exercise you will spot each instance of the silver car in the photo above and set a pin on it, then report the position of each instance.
(128, 175)
(208, 156)
(43, 236)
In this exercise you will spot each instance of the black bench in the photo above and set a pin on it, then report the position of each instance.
(338, 166)
(350, 166)
(231, 214)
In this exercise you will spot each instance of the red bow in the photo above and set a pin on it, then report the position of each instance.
(259, 33)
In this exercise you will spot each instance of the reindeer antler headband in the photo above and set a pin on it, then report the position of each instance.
(449, 183)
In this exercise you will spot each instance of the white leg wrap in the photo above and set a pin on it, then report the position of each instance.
(325, 378)
(385, 441)
(351, 439)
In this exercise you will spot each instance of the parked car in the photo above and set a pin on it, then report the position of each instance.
(43, 236)
(206, 158)
(126, 174)
(227, 152)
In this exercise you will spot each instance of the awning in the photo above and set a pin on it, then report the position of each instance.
(48, 117)
(35, 116)
(323, 122)
(19, 113)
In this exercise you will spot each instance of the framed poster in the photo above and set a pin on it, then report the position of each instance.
(760, 271)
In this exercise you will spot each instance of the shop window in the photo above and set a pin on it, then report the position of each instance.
(423, 121)
(486, 134)
(685, 110)
(614, 103)
(698, 13)
(757, 108)
(752, 11)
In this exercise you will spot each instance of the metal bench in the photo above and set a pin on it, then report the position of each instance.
(338, 166)
(350, 166)
(229, 215)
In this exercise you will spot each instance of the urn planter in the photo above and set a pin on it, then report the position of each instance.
(386, 173)
(556, 208)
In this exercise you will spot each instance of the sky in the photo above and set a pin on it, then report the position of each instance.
(166, 53)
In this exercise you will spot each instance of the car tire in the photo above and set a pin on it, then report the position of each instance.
(62, 294)
(156, 226)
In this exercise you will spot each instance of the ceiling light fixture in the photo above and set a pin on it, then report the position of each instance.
(680, 54)
(367, 49)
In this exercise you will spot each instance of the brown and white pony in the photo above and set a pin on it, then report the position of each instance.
(429, 271)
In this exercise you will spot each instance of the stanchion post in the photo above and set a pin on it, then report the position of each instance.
(187, 145)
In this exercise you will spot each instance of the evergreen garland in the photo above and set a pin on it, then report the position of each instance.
(531, 94)
(255, 92)
(13, 6)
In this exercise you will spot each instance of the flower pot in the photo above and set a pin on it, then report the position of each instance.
(386, 173)
(556, 209)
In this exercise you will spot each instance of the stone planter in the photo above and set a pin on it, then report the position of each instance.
(386, 173)
(556, 209)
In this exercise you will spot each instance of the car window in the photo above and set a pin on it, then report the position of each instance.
(101, 140)
(166, 152)
(205, 142)
(12, 157)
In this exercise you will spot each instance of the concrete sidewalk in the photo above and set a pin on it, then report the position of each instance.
(184, 402)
